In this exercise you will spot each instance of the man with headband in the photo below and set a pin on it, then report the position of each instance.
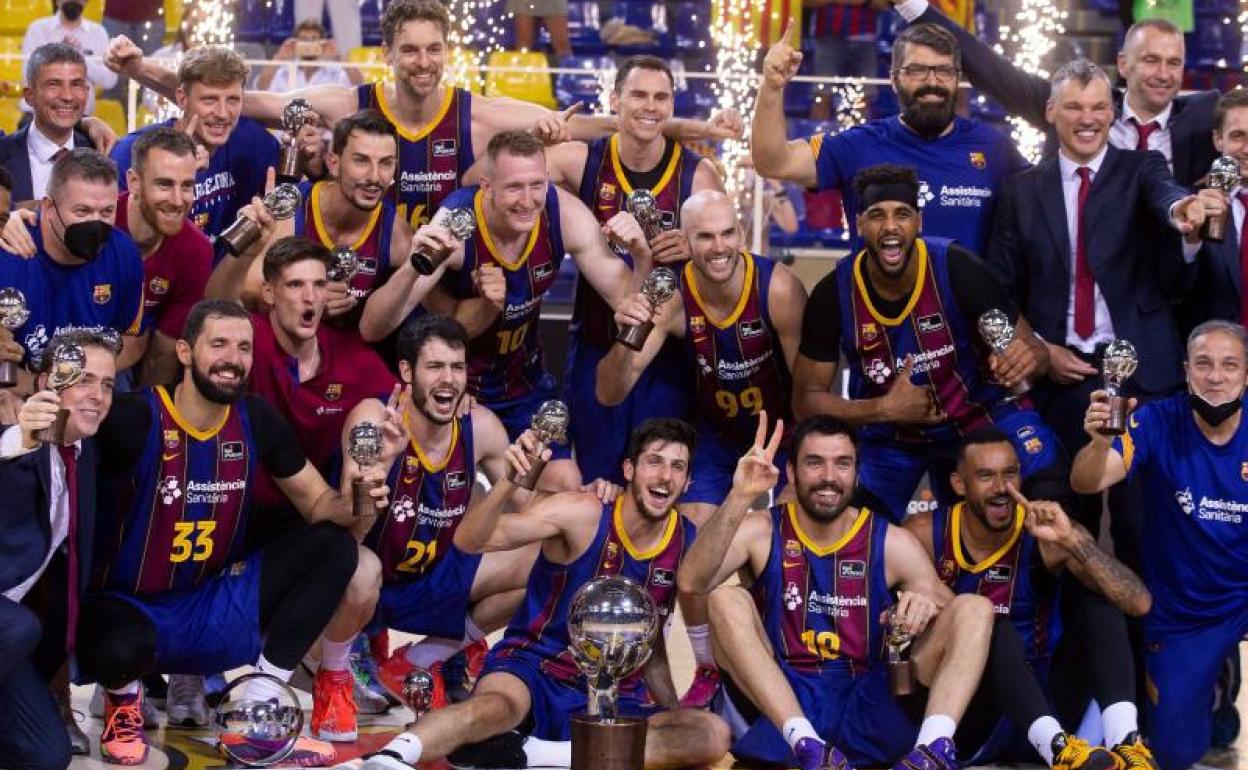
(904, 312)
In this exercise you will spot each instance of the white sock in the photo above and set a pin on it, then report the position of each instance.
(262, 689)
(798, 728)
(541, 753)
(934, 727)
(312, 660)
(1041, 735)
(700, 641)
(130, 689)
(433, 649)
(336, 656)
(1117, 720)
(407, 746)
(471, 632)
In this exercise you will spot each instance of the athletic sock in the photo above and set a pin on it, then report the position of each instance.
(336, 656)
(541, 753)
(263, 689)
(798, 728)
(471, 632)
(122, 692)
(432, 649)
(1118, 720)
(1041, 735)
(407, 746)
(700, 641)
(934, 727)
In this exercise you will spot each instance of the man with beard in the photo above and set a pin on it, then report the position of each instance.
(180, 593)
(903, 311)
(801, 637)
(961, 163)
(530, 676)
(1188, 452)
(998, 544)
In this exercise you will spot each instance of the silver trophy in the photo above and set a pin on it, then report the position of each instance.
(645, 209)
(417, 692)
(1118, 363)
(998, 332)
(13, 315)
(68, 367)
(243, 233)
(900, 669)
(550, 423)
(295, 115)
(658, 287)
(461, 223)
(364, 444)
(344, 265)
(612, 626)
(1224, 176)
(257, 733)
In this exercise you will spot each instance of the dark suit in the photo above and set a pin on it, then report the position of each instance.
(15, 157)
(1218, 283)
(1025, 95)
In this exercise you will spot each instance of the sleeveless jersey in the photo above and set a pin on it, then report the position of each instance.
(947, 353)
(181, 516)
(432, 160)
(373, 247)
(1008, 578)
(604, 188)
(428, 500)
(540, 625)
(740, 364)
(821, 606)
(505, 362)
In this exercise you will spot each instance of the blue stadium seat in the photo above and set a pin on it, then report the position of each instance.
(581, 87)
(649, 15)
(692, 22)
(490, 19)
(252, 21)
(281, 16)
(370, 22)
(584, 23)
(1215, 43)
(798, 96)
(694, 96)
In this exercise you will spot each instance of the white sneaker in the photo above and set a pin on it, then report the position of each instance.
(186, 706)
(151, 715)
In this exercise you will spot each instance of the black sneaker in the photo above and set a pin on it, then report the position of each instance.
(497, 753)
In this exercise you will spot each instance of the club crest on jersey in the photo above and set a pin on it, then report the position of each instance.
(102, 293)
(1034, 446)
(792, 596)
(412, 462)
(613, 550)
(443, 148)
(931, 323)
(792, 549)
(869, 331)
(172, 439)
(998, 573)
(158, 285)
(853, 570)
(948, 569)
(232, 450)
(697, 324)
(752, 328)
(664, 578)
(456, 480)
(978, 160)
(333, 391)
(877, 371)
(607, 191)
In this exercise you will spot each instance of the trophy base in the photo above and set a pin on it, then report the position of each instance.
(56, 433)
(618, 745)
(1214, 229)
(288, 165)
(1116, 425)
(362, 503)
(634, 337)
(240, 236)
(529, 480)
(424, 264)
(8, 374)
(901, 678)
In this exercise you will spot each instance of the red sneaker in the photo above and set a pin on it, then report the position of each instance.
(705, 685)
(333, 707)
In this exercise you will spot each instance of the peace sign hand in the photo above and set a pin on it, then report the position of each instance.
(756, 473)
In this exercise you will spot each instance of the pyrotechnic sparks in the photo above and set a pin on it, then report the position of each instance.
(736, 50)
(477, 29)
(1036, 24)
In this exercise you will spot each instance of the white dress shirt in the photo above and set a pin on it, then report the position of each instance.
(10, 447)
(40, 150)
(1124, 133)
(92, 42)
(321, 76)
(1237, 212)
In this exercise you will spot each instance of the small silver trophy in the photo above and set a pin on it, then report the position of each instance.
(1118, 363)
(417, 692)
(294, 116)
(243, 233)
(460, 222)
(658, 287)
(69, 366)
(1224, 176)
(550, 423)
(344, 265)
(900, 669)
(364, 445)
(13, 314)
(257, 733)
(643, 206)
(998, 332)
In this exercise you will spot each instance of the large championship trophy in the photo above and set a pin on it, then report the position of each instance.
(243, 233)
(998, 333)
(294, 116)
(364, 445)
(1117, 364)
(642, 205)
(344, 265)
(612, 625)
(257, 733)
(13, 314)
(658, 287)
(460, 222)
(900, 669)
(550, 423)
(69, 363)
(1224, 176)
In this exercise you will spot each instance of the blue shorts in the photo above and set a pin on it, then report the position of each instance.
(434, 604)
(714, 462)
(891, 471)
(554, 701)
(210, 628)
(1182, 671)
(857, 714)
(600, 433)
(517, 414)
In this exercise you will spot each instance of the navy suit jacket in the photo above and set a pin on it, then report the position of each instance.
(25, 527)
(1217, 283)
(1025, 95)
(1030, 250)
(14, 157)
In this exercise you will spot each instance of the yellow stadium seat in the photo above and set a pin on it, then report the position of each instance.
(173, 17)
(111, 112)
(11, 68)
(527, 86)
(370, 54)
(10, 114)
(16, 15)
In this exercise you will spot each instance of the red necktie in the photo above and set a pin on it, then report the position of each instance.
(1085, 285)
(70, 458)
(62, 152)
(1243, 258)
(1143, 131)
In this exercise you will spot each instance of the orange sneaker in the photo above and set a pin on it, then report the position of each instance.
(475, 653)
(123, 741)
(333, 706)
(394, 670)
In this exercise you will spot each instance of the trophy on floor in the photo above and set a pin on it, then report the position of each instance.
(69, 366)
(612, 626)
(364, 444)
(1118, 363)
(243, 232)
(13, 315)
(344, 265)
(1223, 176)
(658, 287)
(900, 669)
(643, 206)
(550, 423)
(998, 332)
(460, 222)
(295, 115)
(418, 691)
(255, 732)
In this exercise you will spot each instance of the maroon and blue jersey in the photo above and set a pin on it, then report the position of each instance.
(180, 515)
(604, 188)
(948, 354)
(432, 160)
(372, 247)
(1013, 578)
(740, 363)
(505, 361)
(540, 626)
(427, 502)
(821, 605)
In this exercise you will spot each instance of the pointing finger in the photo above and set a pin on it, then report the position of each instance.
(572, 110)
(1014, 493)
(790, 33)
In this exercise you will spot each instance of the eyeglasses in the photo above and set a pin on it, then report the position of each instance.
(945, 72)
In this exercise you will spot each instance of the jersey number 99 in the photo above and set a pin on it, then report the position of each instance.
(732, 403)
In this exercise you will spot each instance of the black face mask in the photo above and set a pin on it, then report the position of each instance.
(72, 11)
(86, 239)
(1214, 415)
